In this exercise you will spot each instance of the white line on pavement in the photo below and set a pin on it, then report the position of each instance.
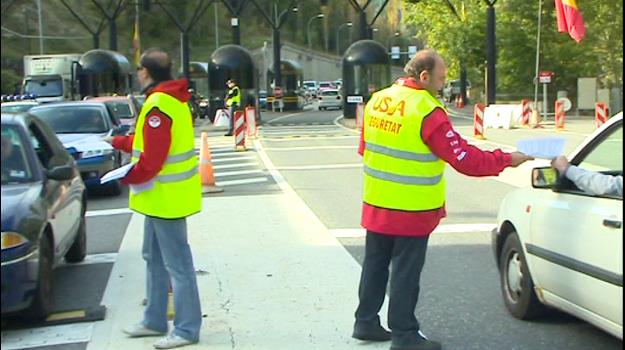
(284, 117)
(105, 212)
(449, 228)
(336, 122)
(301, 138)
(241, 182)
(47, 336)
(239, 172)
(232, 158)
(320, 166)
(238, 165)
(306, 148)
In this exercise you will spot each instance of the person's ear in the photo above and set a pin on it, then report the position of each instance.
(424, 75)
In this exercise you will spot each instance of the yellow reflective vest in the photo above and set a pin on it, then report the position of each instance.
(176, 191)
(400, 171)
(235, 99)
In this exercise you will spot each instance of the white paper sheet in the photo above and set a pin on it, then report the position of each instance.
(118, 173)
(546, 147)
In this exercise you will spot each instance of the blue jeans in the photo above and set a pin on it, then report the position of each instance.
(168, 258)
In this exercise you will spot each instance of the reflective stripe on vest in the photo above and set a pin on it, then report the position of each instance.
(175, 192)
(400, 171)
(235, 99)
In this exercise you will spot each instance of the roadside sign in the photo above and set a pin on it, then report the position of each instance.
(412, 50)
(545, 76)
(354, 99)
(395, 52)
(277, 92)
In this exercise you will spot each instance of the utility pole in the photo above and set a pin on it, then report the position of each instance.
(235, 7)
(364, 27)
(491, 53)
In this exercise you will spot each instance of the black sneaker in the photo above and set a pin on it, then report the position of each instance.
(375, 334)
(423, 344)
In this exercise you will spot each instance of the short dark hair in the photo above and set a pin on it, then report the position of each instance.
(158, 64)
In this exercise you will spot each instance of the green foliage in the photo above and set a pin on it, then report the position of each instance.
(600, 54)
(9, 81)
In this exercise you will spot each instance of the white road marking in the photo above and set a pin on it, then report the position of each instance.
(105, 212)
(243, 157)
(92, 259)
(241, 182)
(291, 139)
(306, 148)
(47, 336)
(284, 117)
(449, 228)
(239, 172)
(237, 165)
(320, 166)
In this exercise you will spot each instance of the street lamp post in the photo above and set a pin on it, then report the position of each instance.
(320, 15)
(338, 45)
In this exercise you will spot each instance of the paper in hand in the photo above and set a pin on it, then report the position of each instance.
(118, 173)
(546, 147)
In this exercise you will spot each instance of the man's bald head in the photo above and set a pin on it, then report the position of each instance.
(428, 68)
(158, 64)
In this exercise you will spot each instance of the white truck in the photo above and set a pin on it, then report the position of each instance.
(50, 77)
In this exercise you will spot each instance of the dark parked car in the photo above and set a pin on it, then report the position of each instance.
(80, 125)
(43, 214)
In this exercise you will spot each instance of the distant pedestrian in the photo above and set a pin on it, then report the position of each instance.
(165, 187)
(233, 101)
(407, 139)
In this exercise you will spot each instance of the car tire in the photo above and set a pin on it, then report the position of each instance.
(517, 287)
(43, 299)
(78, 250)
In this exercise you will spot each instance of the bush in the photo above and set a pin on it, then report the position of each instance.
(11, 82)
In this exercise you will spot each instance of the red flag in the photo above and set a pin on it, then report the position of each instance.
(570, 19)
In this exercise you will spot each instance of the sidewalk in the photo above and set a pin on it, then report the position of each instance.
(270, 277)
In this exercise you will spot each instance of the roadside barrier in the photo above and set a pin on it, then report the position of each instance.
(250, 118)
(239, 132)
(207, 176)
(459, 101)
(601, 114)
(526, 112)
(478, 121)
(360, 115)
(559, 116)
(535, 119)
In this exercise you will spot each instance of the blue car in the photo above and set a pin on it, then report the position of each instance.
(80, 125)
(43, 214)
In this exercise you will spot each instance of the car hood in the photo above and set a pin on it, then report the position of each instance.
(18, 201)
(84, 142)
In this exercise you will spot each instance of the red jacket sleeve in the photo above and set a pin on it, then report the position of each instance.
(448, 145)
(156, 143)
(123, 143)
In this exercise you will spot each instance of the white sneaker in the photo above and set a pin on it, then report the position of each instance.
(139, 330)
(172, 341)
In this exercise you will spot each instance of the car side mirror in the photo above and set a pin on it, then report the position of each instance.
(120, 130)
(60, 173)
(544, 177)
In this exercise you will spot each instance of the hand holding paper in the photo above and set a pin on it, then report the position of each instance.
(546, 147)
(118, 173)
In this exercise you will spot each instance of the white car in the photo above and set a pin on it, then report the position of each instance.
(559, 246)
(330, 98)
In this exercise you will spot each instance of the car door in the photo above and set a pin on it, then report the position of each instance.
(64, 206)
(577, 238)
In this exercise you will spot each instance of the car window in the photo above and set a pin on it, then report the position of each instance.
(16, 108)
(329, 93)
(73, 119)
(40, 144)
(607, 155)
(120, 110)
(15, 167)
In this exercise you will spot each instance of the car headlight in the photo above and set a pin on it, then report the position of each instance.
(12, 240)
(96, 153)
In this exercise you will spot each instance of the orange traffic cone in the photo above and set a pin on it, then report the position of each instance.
(206, 168)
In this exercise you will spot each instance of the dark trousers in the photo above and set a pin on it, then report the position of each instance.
(231, 110)
(407, 255)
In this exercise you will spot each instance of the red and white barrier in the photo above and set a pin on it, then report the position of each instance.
(360, 115)
(601, 114)
(478, 121)
(239, 131)
(526, 112)
(250, 119)
(559, 115)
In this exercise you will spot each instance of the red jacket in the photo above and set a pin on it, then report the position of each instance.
(156, 135)
(439, 135)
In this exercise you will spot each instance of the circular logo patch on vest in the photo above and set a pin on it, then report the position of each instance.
(154, 121)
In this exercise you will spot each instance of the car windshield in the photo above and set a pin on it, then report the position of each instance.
(44, 88)
(310, 84)
(18, 107)
(120, 110)
(72, 119)
(15, 167)
(330, 93)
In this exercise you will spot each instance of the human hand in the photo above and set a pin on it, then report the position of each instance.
(108, 139)
(519, 158)
(560, 164)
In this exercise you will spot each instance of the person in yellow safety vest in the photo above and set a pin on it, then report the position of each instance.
(165, 187)
(233, 101)
(407, 140)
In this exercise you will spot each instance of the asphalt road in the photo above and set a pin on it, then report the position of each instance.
(460, 304)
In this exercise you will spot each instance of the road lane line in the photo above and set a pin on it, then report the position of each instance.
(47, 336)
(239, 172)
(449, 228)
(105, 212)
(320, 166)
(284, 117)
(237, 165)
(306, 148)
(232, 158)
(242, 181)
(306, 138)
